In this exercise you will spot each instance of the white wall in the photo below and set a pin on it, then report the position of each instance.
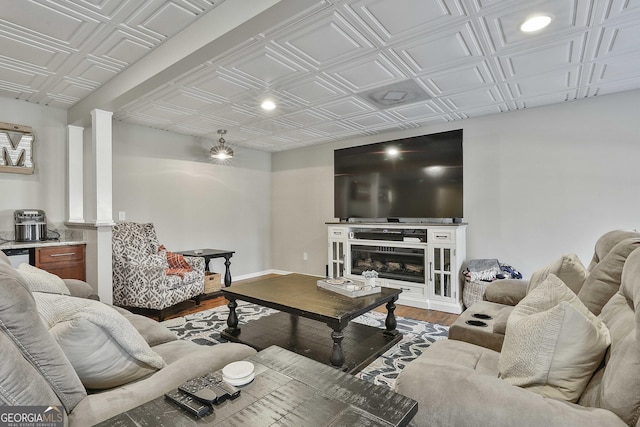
(46, 188)
(538, 183)
(167, 179)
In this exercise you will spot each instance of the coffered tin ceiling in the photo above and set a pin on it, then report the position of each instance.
(336, 69)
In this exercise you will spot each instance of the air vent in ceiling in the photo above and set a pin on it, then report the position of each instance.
(392, 95)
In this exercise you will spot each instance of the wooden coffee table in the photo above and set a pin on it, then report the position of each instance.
(305, 311)
(288, 390)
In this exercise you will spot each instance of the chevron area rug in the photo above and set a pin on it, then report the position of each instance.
(204, 328)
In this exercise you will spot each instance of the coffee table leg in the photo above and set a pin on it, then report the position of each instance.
(337, 355)
(390, 323)
(232, 320)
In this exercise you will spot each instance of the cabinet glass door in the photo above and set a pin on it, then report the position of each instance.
(441, 272)
(337, 259)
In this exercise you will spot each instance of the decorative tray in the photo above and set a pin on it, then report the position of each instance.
(347, 287)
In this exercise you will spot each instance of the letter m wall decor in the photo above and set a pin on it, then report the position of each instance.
(16, 148)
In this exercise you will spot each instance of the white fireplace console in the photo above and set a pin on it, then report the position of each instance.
(424, 260)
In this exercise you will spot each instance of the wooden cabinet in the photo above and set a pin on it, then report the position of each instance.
(66, 261)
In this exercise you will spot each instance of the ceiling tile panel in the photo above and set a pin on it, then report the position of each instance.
(93, 72)
(306, 118)
(186, 101)
(459, 79)
(545, 83)
(617, 8)
(474, 98)
(390, 20)
(312, 92)
(234, 115)
(544, 58)
(346, 107)
(441, 51)
(620, 39)
(417, 111)
(568, 15)
(221, 86)
(325, 41)
(616, 69)
(124, 49)
(369, 72)
(31, 54)
(265, 67)
(169, 18)
(372, 120)
(549, 98)
(53, 22)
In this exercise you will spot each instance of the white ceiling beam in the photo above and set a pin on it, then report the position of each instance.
(224, 27)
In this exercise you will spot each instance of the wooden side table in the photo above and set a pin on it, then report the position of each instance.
(209, 254)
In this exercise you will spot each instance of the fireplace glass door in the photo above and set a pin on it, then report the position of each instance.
(390, 262)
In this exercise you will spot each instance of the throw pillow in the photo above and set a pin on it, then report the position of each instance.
(103, 347)
(568, 268)
(42, 281)
(20, 323)
(177, 264)
(553, 344)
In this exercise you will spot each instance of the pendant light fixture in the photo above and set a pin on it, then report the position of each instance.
(221, 151)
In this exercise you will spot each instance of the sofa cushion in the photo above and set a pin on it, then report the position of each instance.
(610, 387)
(500, 322)
(42, 281)
(506, 291)
(185, 360)
(553, 343)
(102, 345)
(605, 278)
(606, 242)
(153, 332)
(568, 268)
(20, 382)
(19, 321)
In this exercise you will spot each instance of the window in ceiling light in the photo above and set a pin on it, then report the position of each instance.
(535, 23)
(268, 105)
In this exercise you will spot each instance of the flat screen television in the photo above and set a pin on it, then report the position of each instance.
(418, 177)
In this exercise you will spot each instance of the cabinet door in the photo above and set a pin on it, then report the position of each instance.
(441, 274)
(68, 262)
(337, 248)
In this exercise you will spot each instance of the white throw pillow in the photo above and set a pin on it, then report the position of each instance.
(102, 345)
(42, 281)
(553, 343)
(568, 268)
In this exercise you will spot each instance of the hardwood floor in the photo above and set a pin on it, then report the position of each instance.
(432, 316)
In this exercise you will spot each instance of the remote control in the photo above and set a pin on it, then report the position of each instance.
(231, 390)
(187, 403)
(207, 395)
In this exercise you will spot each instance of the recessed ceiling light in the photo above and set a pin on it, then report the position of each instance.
(535, 23)
(392, 152)
(268, 105)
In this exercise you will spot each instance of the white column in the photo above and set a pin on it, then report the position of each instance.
(75, 184)
(101, 142)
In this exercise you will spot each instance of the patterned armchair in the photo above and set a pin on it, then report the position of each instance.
(140, 278)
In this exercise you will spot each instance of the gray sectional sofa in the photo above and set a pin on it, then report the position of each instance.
(584, 351)
(45, 359)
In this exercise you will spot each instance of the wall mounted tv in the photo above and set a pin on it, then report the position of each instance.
(417, 177)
